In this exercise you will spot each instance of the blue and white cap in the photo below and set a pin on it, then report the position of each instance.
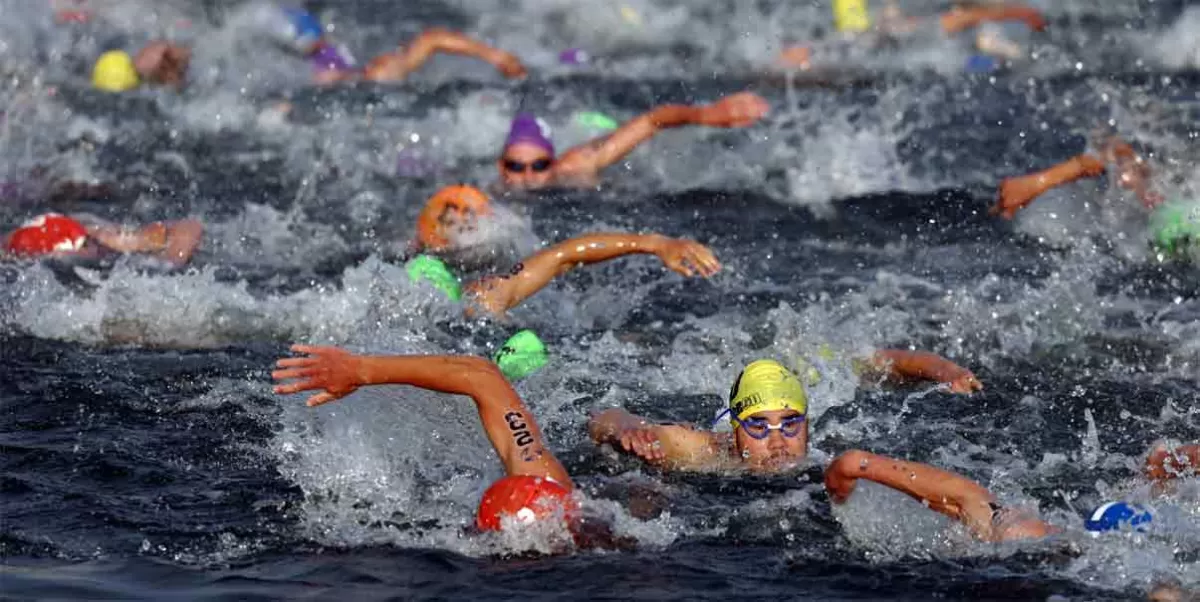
(1117, 515)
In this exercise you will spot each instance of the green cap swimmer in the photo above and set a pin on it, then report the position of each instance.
(424, 267)
(1175, 226)
(595, 120)
(522, 354)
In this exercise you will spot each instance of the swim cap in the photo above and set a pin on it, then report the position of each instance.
(530, 130)
(980, 63)
(524, 497)
(305, 29)
(851, 15)
(424, 267)
(1175, 225)
(765, 385)
(574, 56)
(1115, 515)
(599, 121)
(451, 208)
(328, 57)
(114, 72)
(522, 354)
(49, 233)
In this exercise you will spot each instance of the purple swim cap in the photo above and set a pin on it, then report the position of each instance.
(328, 57)
(530, 130)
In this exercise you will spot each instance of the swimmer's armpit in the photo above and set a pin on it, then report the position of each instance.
(511, 427)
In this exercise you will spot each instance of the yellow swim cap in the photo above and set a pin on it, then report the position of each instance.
(766, 385)
(114, 72)
(851, 15)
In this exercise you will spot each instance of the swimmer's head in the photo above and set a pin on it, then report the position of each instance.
(46, 235)
(523, 499)
(521, 355)
(163, 63)
(528, 156)
(1114, 516)
(769, 411)
(304, 30)
(432, 270)
(328, 57)
(115, 72)
(449, 213)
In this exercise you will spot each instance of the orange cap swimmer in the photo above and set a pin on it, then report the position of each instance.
(524, 498)
(452, 208)
(45, 234)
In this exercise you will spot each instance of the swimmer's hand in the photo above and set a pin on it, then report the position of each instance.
(333, 371)
(796, 57)
(737, 110)
(965, 383)
(507, 64)
(840, 477)
(687, 257)
(902, 364)
(644, 443)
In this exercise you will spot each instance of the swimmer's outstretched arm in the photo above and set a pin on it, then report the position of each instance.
(511, 427)
(399, 64)
(500, 294)
(901, 364)
(941, 491)
(1017, 192)
(737, 110)
(174, 242)
(962, 18)
(668, 445)
(1165, 463)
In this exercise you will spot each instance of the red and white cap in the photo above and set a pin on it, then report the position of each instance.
(47, 234)
(525, 498)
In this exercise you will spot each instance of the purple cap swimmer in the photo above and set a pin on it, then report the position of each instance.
(328, 57)
(530, 130)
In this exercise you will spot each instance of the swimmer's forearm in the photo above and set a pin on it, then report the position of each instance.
(541, 268)
(959, 19)
(901, 363)
(456, 374)
(940, 490)
(432, 41)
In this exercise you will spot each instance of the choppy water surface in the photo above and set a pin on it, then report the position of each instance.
(144, 456)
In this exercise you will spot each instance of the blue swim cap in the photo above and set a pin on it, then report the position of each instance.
(980, 63)
(1116, 515)
(305, 27)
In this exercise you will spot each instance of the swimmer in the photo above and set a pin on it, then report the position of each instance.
(768, 409)
(975, 507)
(159, 62)
(852, 17)
(528, 159)
(84, 237)
(1174, 226)
(535, 487)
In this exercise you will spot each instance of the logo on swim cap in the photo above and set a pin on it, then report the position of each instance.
(524, 499)
(763, 386)
(448, 212)
(522, 354)
(424, 267)
(1116, 515)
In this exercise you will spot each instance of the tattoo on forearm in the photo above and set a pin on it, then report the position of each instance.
(520, 429)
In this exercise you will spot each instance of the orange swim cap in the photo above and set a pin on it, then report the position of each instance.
(453, 207)
(524, 497)
(45, 234)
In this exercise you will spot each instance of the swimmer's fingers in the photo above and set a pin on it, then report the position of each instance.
(296, 362)
(298, 386)
(702, 257)
(321, 398)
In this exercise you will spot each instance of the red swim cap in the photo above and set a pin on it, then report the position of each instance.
(49, 233)
(524, 497)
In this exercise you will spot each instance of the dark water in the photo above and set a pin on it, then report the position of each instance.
(145, 458)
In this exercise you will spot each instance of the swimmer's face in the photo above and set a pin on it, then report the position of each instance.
(776, 451)
(526, 165)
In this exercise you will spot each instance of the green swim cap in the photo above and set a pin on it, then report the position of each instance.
(1175, 226)
(424, 267)
(522, 354)
(595, 120)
